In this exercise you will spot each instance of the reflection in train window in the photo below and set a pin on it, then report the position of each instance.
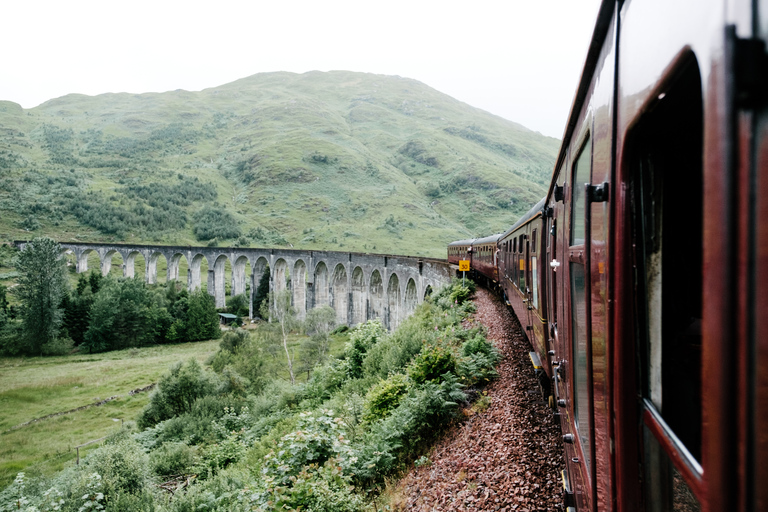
(582, 173)
(581, 176)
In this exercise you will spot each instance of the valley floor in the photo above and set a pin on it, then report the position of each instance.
(506, 458)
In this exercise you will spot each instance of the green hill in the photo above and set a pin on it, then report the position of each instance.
(334, 161)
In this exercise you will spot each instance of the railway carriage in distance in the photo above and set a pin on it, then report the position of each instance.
(460, 250)
(482, 254)
(484, 258)
(522, 277)
(642, 278)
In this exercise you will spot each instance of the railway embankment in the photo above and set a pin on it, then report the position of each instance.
(506, 458)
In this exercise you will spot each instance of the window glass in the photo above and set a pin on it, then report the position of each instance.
(579, 335)
(581, 176)
(534, 282)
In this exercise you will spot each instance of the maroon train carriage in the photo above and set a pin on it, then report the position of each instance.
(651, 273)
(484, 256)
(460, 250)
(522, 278)
(481, 254)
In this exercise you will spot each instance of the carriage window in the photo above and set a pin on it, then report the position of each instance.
(534, 283)
(582, 173)
(533, 241)
(521, 276)
(581, 176)
(666, 159)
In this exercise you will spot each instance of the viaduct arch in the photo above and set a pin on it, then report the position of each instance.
(358, 286)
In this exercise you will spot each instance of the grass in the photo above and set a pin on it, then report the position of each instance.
(31, 388)
(34, 387)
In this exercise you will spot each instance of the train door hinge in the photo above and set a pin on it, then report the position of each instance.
(750, 65)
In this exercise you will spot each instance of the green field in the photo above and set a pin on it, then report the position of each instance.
(31, 388)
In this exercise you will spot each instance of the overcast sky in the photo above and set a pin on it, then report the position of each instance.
(519, 59)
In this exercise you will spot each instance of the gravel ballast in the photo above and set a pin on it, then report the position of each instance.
(507, 458)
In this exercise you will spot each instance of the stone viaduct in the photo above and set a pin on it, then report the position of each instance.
(358, 286)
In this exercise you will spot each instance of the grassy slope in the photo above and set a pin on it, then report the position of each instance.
(35, 387)
(321, 159)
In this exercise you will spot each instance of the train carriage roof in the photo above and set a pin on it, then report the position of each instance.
(525, 218)
(487, 240)
(462, 242)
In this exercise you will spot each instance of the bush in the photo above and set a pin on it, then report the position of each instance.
(112, 471)
(172, 459)
(58, 347)
(478, 368)
(315, 489)
(211, 222)
(478, 344)
(361, 340)
(385, 397)
(176, 393)
(233, 340)
(238, 305)
(221, 493)
(431, 364)
(318, 439)
(420, 413)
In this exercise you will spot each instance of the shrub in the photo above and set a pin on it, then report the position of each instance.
(431, 364)
(58, 347)
(233, 340)
(423, 410)
(322, 488)
(318, 439)
(211, 222)
(113, 470)
(478, 368)
(238, 305)
(479, 345)
(384, 397)
(361, 340)
(220, 493)
(176, 393)
(172, 459)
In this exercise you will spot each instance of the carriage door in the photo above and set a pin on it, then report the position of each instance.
(667, 211)
(580, 459)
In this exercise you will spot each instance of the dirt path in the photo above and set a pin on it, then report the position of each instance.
(507, 458)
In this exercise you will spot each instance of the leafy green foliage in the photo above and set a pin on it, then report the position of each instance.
(176, 393)
(215, 223)
(173, 459)
(258, 442)
(195, 318)
(432, 363)
(42, 284)
(361, 340)
(124, 314)
(385, 396)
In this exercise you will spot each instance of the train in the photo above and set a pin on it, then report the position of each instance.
(641, 278)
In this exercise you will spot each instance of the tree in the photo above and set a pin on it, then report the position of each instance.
(202, 317)
(42, 284)
(282, 315)
(318, 325)
(121, 316)
(262, 291)
(3, 299)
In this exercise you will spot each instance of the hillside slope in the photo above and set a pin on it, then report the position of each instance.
(336, 161)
